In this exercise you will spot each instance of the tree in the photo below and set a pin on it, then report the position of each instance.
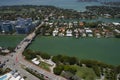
(29, 54)
(57, 58)
(45, 56)
(96, 70)
(1, 71)
(117, 69)
(58, 69)
(73, 60)
(117, 36)
(70, 69)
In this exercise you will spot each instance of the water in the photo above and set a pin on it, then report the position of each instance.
(10, 41)
(103, 49)
(3, 77)
(68, 4)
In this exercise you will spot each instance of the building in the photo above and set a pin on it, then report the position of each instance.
(89, 32)
(35, 61)
(22, 29)
(69, 33)
(24, 26)
(7, 27)
(55, 32)
(0, 26)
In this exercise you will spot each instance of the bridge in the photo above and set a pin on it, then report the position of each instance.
(17, 55)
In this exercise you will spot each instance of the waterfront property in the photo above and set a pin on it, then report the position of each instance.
(6, 27)
(103, 49)
(24, 26)
(19, 26)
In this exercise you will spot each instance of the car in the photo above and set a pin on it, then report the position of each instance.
(11, 55)
(7, 60)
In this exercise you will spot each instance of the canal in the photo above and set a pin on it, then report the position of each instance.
(104, 49)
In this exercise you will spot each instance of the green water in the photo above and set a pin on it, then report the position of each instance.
(10, 41)
(105, 49)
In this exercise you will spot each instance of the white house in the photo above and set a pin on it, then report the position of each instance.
(55, 32)
(69, 33)
(83, 35)
(5, 51)
(116, 30)
(35, 61)
(98, 35)
(89, 32)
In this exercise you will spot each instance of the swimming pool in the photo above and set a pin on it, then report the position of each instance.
(3, 77)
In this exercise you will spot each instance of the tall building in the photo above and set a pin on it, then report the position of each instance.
(24, 26)
(7, 27)
(0, 27)
(21, 29)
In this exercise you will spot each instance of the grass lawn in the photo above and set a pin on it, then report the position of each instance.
(85, 73)
(44, 66)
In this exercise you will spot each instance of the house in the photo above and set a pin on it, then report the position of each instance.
(76, 33)
(70, 25)
(35, 61)
(117, 31)
(116, 24)
(98, 35)
(118, 76)
(81, 24)
(5, 50)
(55, 32)
(75, 23)
(83, 34)
(69, 32)
(109, 34)
(35, 23)
(61, 34)
(89, 32)
(107, 16)
(50, 23)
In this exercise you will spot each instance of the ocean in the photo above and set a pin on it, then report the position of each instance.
(67, 4)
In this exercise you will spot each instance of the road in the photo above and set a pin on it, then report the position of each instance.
(17, 59)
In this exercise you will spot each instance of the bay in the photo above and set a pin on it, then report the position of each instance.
(68, 4)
